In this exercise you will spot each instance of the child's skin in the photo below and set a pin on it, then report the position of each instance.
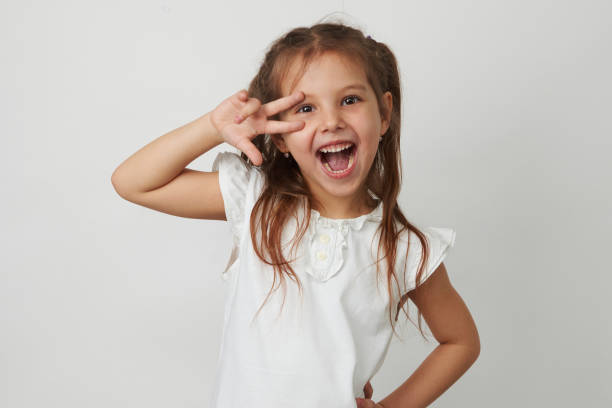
(340, 105)
(156, 177)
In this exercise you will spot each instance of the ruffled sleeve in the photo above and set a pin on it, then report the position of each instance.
(234, 177)
(440, 241)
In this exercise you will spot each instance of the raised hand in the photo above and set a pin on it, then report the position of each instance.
(238, 119)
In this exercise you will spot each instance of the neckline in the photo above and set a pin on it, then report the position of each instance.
(374, 215)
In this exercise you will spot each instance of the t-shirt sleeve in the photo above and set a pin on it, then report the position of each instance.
(234, 177)
(440, 241)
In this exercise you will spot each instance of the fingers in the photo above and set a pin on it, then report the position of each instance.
(276, 126)
(251, 106)
(271, 108)
(284, 103)
(251, 151)
(242, 95)
(365, 403)
(368, 390)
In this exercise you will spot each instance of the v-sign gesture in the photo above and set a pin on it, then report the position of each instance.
(238, 119)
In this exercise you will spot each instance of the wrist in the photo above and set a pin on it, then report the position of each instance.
(212, 137)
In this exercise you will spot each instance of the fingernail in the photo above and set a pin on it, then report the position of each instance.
(238, 119)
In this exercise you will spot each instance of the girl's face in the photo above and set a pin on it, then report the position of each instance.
(340, 110)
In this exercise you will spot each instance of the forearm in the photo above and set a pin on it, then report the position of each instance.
(442, 367)
(164, 158)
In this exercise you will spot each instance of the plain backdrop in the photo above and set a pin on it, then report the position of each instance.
(506, 138)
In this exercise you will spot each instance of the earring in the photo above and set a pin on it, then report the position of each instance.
(380, 139)
(286, 154)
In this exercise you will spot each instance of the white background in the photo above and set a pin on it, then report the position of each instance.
(506, 138)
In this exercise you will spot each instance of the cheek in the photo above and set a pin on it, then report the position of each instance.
(301, 140)
(372, 140)
(371, 130)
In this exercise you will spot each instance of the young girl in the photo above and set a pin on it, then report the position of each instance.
(312, 198)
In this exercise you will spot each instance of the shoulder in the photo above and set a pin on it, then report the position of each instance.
(435, 244)
(232, 161)
(235, 171)
(434, 238)
(241, 184)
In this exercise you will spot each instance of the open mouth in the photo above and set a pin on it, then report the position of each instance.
(337, 159)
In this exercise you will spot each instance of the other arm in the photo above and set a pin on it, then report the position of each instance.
(452, 325)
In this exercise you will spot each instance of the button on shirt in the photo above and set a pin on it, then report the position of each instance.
(327, 342)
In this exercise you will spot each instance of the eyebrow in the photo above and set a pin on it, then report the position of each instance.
(354, 86)
(360, 87)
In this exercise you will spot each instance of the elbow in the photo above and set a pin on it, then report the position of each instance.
(475, 347)
(470, 346)
(471, 351)
(473, 344)
(117, 185)
(115, 182)
(476, 352)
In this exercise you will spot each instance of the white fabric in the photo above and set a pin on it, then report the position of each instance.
(324, 345)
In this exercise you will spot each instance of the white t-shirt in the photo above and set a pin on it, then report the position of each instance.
(325, 344)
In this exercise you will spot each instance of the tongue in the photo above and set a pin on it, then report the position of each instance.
(337, 160)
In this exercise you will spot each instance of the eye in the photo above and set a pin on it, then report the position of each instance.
(352, 97)
(299, 110)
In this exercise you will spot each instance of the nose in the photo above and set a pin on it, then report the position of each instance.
(331, 119)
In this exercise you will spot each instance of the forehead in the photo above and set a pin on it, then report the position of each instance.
(329, 67)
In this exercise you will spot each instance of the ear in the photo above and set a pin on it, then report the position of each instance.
(279, 142)
(388, 108)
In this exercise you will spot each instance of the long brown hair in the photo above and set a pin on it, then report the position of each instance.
(285, 189)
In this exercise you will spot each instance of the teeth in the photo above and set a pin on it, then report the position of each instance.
(350, 163)
(335, 148)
